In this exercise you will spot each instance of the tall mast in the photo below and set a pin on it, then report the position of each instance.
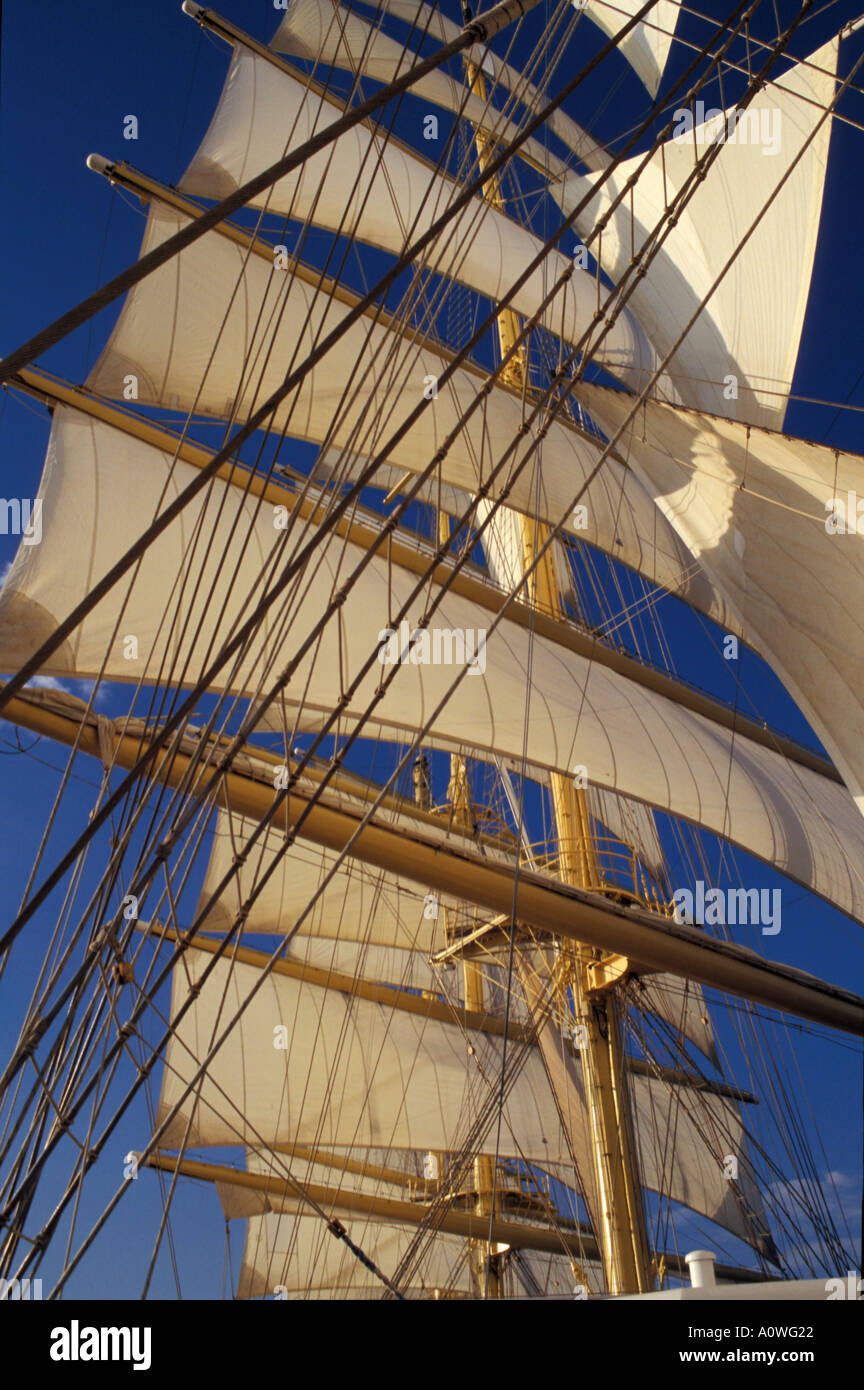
(621, 1220)
(485, 1266)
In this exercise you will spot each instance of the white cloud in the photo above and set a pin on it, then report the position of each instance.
(841, 1195)
(47, 683)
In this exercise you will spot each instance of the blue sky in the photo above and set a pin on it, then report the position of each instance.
(69, 77)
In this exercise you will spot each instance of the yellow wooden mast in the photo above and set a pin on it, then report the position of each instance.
(621, 1224)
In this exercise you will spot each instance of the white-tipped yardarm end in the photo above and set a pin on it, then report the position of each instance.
(189, 7)
(98, 163)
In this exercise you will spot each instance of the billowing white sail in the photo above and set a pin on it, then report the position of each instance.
(646, 47)
(377, 191)
(293, 1256)
(425, 19)
(681, 1006)
(198, 292)
(339, 402)
(326, 33)
(347, 1072)
(738, 359)
(685, 1141)
(289, 1253)
(360, 903)
(769, 518)
(629, 738)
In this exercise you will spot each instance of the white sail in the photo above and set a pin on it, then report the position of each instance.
(424, 19)
(646, 47)
(681, 1005)
(738, 359)
(503, 546)
(359, 904)
(352, 1073)
(195, 295)
(578, 712)
(685, 1141)
(746, 501)
(325, 33)
(634, 825)
(293, 1256)
(377, 191)
(289, 1253)
(368, 910)
(388, 1060)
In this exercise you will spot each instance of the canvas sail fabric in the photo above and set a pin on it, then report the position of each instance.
(503, 547)
(426, 20)
(289, 1250)
(504, 542)
(295, 1256)
(685, 1140)
(646, 47)
(758, 509)
(680, 1003)
(629, 738)
(354, 1073)
(564, 1073)
(324, 33)
(366, 187)
(360, 903)
(292, 1252)
(373, 908)
(367, 910)
(400, 968)
(738, 359)
(189, 324)
(633, 824)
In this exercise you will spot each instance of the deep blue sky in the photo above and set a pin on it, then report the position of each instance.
(70, 74)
